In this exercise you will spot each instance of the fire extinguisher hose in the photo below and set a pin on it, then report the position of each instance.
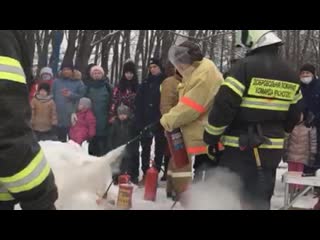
(104, 196)
(145, 129)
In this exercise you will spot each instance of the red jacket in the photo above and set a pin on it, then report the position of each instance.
(85, 127)
(35, 85)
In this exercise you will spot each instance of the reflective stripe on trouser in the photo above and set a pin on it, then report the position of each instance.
(4, 194)
(30, 177)
(231, 141)
(181, 177)
(11, 70)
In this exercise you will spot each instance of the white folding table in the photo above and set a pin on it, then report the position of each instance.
(297, 178)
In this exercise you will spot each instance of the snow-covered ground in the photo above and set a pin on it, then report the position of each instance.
(80, 177)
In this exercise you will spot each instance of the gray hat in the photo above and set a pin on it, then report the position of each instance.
(123, 109)
(85, 102)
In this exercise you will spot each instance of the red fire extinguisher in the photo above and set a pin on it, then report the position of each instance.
(151, 182)
(124, 178)
(177, 148)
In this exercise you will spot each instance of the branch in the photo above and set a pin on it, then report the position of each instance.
(104, 38)
(199, 39)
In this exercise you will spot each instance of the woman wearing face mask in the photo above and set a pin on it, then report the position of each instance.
(310, 87)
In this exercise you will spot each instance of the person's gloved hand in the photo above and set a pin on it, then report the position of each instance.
(215, 152)
(74, 119)
(149, 130)
(211, 152)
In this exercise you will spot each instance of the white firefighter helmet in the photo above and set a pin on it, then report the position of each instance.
(253, 39)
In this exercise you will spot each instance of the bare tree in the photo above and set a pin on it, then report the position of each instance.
(71, 47)
(84, 49)
(43, 38)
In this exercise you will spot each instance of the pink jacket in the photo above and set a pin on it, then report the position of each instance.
(301, 145)
(85, 127)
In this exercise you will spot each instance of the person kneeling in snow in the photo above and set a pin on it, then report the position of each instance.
(122, 131)
(83, 122)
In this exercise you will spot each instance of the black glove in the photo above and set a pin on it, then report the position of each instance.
(149, 130)
(211, 152)
(147, 133)
(215, 152)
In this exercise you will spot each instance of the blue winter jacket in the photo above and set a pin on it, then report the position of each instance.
(66, 105)
(148, 101)
(311, 98)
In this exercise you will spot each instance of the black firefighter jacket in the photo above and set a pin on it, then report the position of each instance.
(25, 175)
(260, 89)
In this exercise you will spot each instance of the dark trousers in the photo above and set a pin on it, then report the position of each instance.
(44, 136)
(146, 142)
(202, 163)
(62, 133)
(243, 163)
(98, 146)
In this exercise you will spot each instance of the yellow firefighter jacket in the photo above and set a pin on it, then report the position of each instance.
(199, 85)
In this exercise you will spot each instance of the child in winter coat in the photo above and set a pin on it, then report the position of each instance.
(122, 131)
(44, 115)
(300, 149)
(83, 122)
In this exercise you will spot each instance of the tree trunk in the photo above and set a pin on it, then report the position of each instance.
(105, 48)
(122, 50)
(151, 45)
(127, 35)
(115, 60)
(287, 52)
(71, 47)
(57, 39)
(221, 53)
(191, 34)
(294, 50)
(305, 47)
(156, 52)
(30, 37)
(43, 40)
(139, 49)
(297, 59)
(167, 41)
(85, 50)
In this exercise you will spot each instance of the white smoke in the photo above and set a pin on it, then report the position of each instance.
(220, 191)
(78, 175)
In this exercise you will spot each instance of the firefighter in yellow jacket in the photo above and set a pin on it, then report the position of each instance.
(25, 176)
(258, 102)
(200, 83)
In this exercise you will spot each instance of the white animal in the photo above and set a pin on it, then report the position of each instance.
(79, 176)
